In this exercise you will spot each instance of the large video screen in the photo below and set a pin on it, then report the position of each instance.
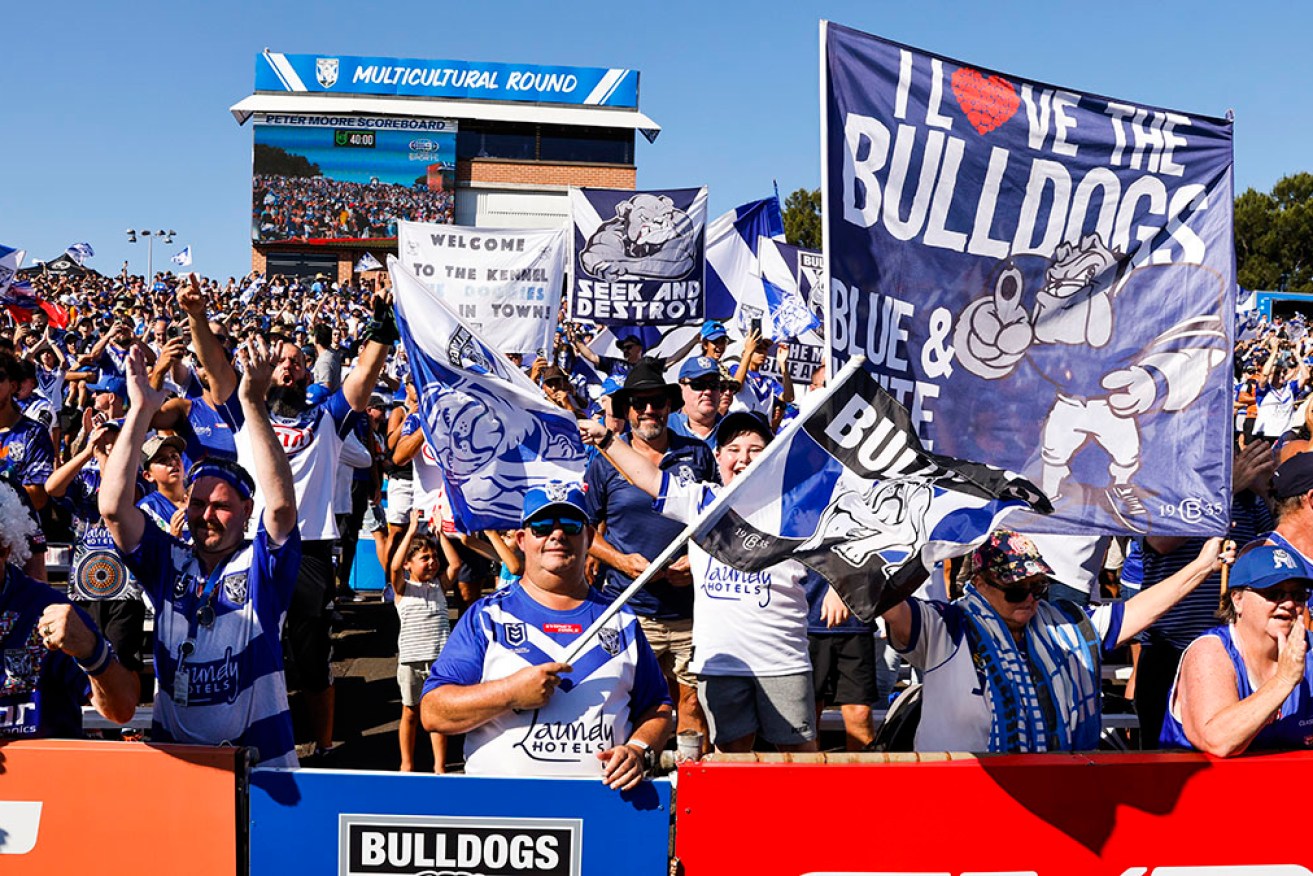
(322, 177)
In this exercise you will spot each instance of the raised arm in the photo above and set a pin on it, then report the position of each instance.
(584, 350)
(637, 469)
(212, 356)
(118, 477)
(397, 568)
(273, 474)
(786, 379)
(379, 338)
(1151, 603)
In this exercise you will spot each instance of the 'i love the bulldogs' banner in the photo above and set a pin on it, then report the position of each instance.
(638, 256)
(1044, 278)
(506, 285)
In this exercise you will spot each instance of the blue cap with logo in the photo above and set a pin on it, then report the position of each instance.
(110, 383)
(554, 496)
(713, 330)
(1268, 566)
(699, 366)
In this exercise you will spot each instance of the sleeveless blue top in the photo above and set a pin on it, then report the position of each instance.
(1293, 727)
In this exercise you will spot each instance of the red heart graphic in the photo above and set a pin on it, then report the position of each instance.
(988, 103)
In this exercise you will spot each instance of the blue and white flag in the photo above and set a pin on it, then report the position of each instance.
(505, 283)
(368, 263)
(794, 307)
(80, 252)
(10, 261)
(182, 257)
(1045, 278)
(732, 241)
(638, 256)
(848, 491)
(492, 432)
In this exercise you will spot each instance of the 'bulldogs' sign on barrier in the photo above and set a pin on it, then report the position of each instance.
(638, 256)
(1045, 277)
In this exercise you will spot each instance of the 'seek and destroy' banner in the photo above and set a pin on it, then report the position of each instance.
(1044, 278)
(638, 256)
(506, 285)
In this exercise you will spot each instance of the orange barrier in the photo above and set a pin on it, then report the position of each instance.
(1034, 815)
(120, 807)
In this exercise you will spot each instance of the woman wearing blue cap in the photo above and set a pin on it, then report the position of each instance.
(1246, 685)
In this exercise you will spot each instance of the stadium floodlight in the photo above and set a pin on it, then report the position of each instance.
(167, 237)
(132, 236)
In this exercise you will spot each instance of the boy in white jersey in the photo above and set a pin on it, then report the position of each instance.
(500, 680)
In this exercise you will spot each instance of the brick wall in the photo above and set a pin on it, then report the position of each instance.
(535, 173)
(257, 260)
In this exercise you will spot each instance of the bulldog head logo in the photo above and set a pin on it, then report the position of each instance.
(326, 71)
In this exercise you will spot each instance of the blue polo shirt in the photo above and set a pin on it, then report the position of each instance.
(678, 423)
(633, 527)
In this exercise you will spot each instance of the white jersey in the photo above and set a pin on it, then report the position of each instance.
(744, 623)
(313, 442)
(612, 683)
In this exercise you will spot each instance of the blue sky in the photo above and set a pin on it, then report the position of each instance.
(118, 113)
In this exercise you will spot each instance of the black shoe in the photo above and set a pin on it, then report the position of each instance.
(1129, 507)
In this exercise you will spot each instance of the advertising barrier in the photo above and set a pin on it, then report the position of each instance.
(119, 807)
(1031, 815)
(358, 823)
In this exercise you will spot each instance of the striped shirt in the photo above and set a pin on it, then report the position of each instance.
(230, 688)
(1197, 612)
(425, 624)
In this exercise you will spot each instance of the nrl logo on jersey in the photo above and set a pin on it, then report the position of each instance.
(326, 71)
(515, 635)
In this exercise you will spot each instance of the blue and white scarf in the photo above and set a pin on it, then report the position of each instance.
(1064, 647)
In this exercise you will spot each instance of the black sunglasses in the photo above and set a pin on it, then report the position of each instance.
(655, 402)
(1277, 594)
(1014, 595)
(567, 525)
(704, 385)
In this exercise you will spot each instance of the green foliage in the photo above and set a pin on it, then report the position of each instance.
(1274, 236)
(802, 218)
(273, 161)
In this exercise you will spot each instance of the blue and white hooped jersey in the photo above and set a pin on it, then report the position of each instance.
(231, 688)
(313, 443)
(614, 681)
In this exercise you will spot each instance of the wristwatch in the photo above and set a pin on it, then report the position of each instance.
(645, 751)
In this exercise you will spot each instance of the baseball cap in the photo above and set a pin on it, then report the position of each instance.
(556, 495)
(1294, 477)
(699, 366)
(629, 339)
(610, 385)
(225, 470)
(1268, 566)
(155, 443)
(739, 422)
(1007, 557)
(110, 383)
(713, 330)
(378, 400)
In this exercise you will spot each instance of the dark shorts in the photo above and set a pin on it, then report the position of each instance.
(843, 668)
(307, 646)
(123, 622)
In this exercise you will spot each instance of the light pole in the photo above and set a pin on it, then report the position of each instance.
(150, 246)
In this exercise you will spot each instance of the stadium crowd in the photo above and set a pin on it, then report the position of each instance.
(299, 208)
(211, 450)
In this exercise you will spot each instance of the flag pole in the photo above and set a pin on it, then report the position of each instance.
(659, 562)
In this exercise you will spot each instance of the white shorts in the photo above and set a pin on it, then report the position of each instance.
(401, 497)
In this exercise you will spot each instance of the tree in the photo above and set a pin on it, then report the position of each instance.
(802, 218)
(1274, 236)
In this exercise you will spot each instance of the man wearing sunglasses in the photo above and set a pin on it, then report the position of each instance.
(500, 681)
(700, 382)
(635, 533)
(1004, 669)
(220, 601)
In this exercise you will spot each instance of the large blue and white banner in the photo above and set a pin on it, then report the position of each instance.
(1044, 278)
(492, 432)
(638, 256)
(506, 285)
(413, 77)
(794, 306)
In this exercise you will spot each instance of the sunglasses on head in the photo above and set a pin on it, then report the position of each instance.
(1017, 593)
(655, 402)
(704, 384)
(555, 383)
(567, 525)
